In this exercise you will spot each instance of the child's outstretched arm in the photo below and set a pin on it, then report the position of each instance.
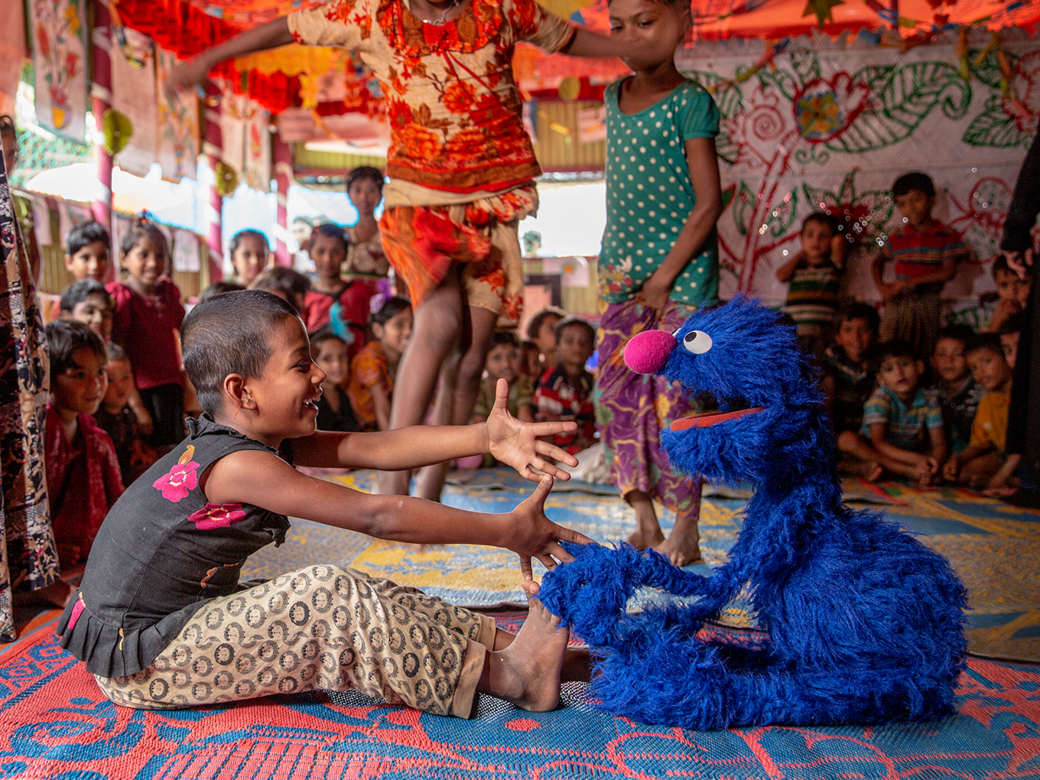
(267, 36)
(263, 479)
(509, 440)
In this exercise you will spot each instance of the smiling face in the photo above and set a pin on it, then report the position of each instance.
(286, 394)
(990, 369)
(146, 261)
(816, 243)
(90, 262)
(328, 254)
(916, 208)
(393, 335)
(855, 336)
(249, 258)
(503, 362)
(652, 29)
(332, 359)
(81, 386)
(96, 313)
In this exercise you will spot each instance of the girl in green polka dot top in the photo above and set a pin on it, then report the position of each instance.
(659, 259)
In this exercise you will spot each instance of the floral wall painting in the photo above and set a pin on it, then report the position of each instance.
(59, 42)
(178, 127)
(134, 95)
(829, 125)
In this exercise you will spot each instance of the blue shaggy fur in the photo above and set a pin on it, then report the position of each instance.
(865, 624)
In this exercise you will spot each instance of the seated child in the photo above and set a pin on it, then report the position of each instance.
(903, 421)
(118, 420)
(82, 470)
(530, 361)
(289, 285)
(219, 288)
(196, 636)
(1009, 332)
(1012, 293)
(925, 254)
(983, 464)
(87, 301)
(332, 302)
(564, 393)
(335, 413)
(503, 362)
(541, 329)
(88, 247)
(848, 381)
(958, 391)
(814, 275)
(373, 369)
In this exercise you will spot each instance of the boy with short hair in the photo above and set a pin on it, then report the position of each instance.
(1012, 293)
(87, 301)
(83, 480)
(1009, 333)
(982, 464)
(958, 391)
(503, 362)
(902, 420)
(814, 275)
(88, 248)
(925, 253)
(847, 380)
(564, 393)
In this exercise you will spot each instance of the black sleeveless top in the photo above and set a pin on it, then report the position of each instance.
(162, 552)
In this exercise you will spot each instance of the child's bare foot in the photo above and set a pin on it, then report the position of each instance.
(527, 672)
(648, 530)
(681, 548)
(644, 539)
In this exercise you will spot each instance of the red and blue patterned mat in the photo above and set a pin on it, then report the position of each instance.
(54, 723)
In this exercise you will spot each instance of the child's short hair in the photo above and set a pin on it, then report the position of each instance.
(574, 322)
(535, 323)
(219, 288)
(84, 234)
(241, 235)
(962, 333)
(364, 172)
(391, 308)
(896, 348)
(982, 341)
(64, 337)
(999, 265)
(331, 230)
(79, 291)
(855, 310)
(507, 338)
(320, 338)
(114, 352)
(139, 228)
(916, 180)
(284, 280)
(230, 335)
(1015, 323)
(821, 218)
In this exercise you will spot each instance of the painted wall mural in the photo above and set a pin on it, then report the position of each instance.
(816, 125)
(59, 43)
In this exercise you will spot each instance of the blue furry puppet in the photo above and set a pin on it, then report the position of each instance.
(864, 622)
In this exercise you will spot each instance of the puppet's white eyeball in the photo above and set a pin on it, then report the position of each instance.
(697, 341)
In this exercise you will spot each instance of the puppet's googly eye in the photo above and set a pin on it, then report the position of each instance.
(697, 341)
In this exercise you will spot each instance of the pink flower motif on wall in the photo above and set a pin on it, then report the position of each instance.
(825, 108)
(1023, 104)
(759, 127)
(181, 479)
(217, 516)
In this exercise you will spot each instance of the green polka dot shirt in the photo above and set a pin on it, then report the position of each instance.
(650, 197)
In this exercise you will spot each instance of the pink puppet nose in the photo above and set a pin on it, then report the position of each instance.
(649, 350)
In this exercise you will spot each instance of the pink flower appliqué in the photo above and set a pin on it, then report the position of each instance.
(217, 516)
(181, 479)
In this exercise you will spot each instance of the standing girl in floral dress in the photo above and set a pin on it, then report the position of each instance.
(659, 260)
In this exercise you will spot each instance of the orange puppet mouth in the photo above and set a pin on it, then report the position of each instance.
(708, 419)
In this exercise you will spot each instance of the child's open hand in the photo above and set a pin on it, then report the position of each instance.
(517, 444)
(533, 535)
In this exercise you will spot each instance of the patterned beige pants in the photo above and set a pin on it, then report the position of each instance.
(321, 627)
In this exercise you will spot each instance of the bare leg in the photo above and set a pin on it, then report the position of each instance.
(869, 465)
(577, 665)
(648, 530)
(683, 544)
(438, 323)
(527, 671)
(463, 380)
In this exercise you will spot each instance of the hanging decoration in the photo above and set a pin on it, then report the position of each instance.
(178, 126)
(258, 151)
(134, 96)
(117, 130)
(227, 180)
(59, 42)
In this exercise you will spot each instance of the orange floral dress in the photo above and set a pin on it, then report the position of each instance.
(457, 138)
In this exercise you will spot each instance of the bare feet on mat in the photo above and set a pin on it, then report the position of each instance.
(681, 548)
(643, 539)
(648, 530)
(527, 672)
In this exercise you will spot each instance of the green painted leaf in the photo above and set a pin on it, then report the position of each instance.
(781, 217)
(806, 66)
(906, 95)
(993, 127)
(988, 71)
(779, 79)
(743, 208)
